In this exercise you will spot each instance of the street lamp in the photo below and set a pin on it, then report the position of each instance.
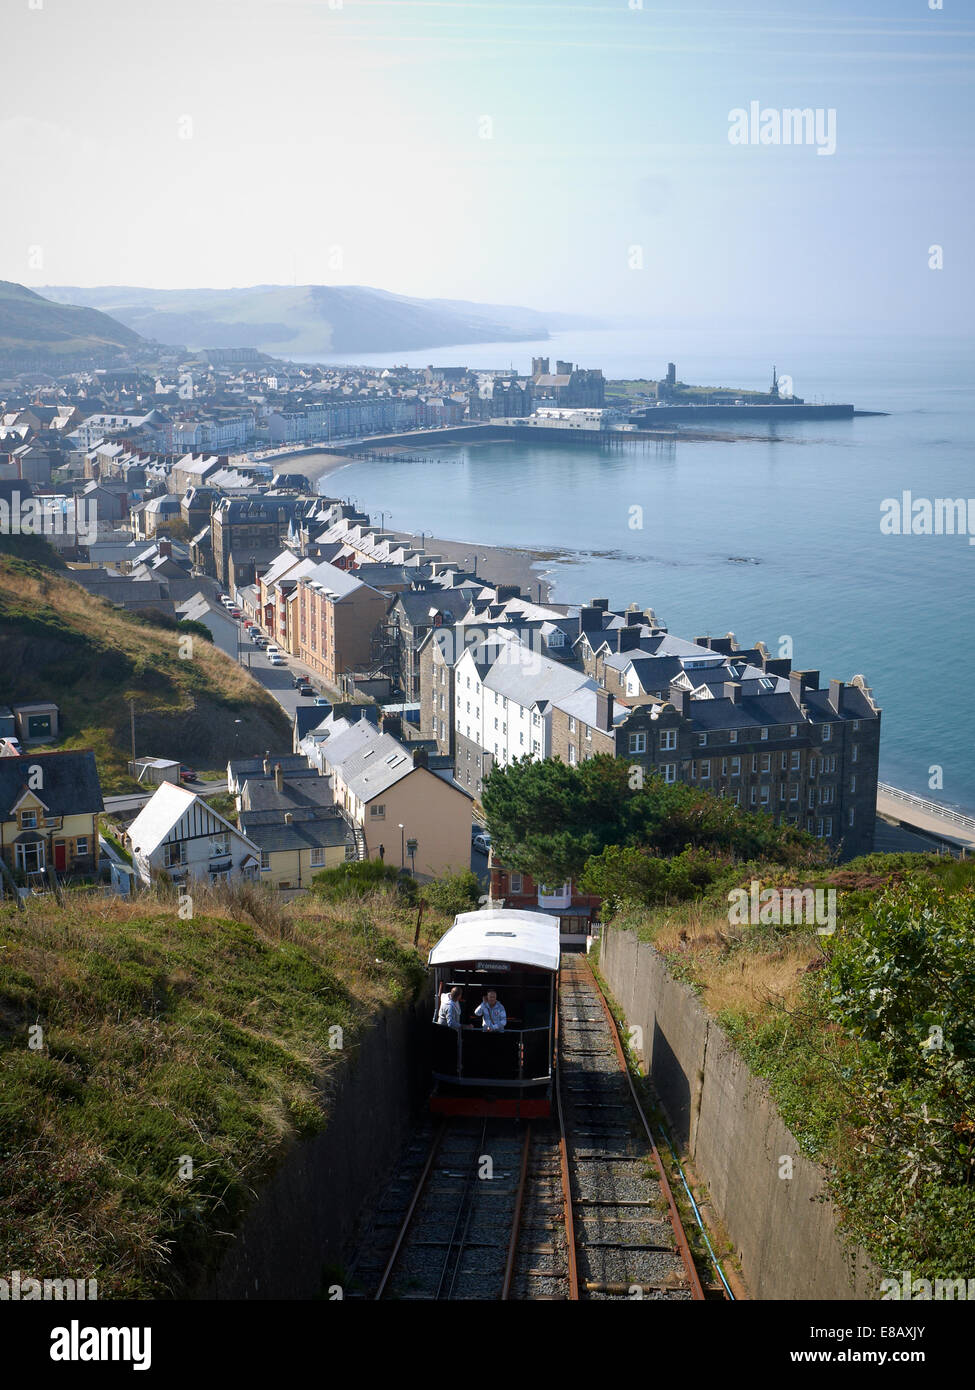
(402, 846)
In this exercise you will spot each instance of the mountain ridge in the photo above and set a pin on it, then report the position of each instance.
(310, 320)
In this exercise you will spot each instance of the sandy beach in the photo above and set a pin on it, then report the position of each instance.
(494, 564)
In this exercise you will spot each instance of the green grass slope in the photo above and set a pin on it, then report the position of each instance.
(59, 643)
(31, 323)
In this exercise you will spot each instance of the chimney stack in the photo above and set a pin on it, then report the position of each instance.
(421, 757)
(602, 604)
(627, 639)
(267, 765)
(681, 699)
(604, 711)
(288, 817)
(800, 681)
(836, 689)
(278, 778)
(732, 692)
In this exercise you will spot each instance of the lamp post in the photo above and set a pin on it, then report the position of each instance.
(402, 846)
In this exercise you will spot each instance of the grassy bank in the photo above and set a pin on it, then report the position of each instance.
(866, 1037)
(59, 643)
(164, 1039)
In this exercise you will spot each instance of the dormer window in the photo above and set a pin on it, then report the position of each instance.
(28, 820)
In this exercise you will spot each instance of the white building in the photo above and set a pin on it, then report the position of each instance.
(503, 703)
(178, 834)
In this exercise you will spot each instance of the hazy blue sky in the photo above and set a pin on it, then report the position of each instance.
(344, 143)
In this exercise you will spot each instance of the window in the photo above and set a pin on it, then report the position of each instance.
(378, 811)
(784, 762)
(219, 846)
(638, 743)
(521, 736)
(732, 735)
(516, 883)
(724, 767)
(765, 733)
(317, 856)
(705, 769)
(827, 796)
(856, 726)
(702, 740)
(736, 767)
(588, 731)
(827, 732)
(855, 756)
(853, 783)
(572, 724)
(468, 682)
(28, 820)
(852, 814)
(495, 723)
(81, 846)
(29, 857)
(766, 762)
(793, 791)
(668, 739)
(793, 730)
(795, 760)
(670, 772)
(174, 854)
(265, 860)
(765, 795)
(572, 755)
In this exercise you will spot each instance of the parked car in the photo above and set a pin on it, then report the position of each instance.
(307, 692)
(234, 612)
(277, 660)
(321, 700)
(248, 622)
(482, 842)
(273, 650)
(188, 774)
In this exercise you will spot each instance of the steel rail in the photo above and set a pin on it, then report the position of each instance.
(569, 1219)
(697, 1292)
(408, 1218)
(509, 1267)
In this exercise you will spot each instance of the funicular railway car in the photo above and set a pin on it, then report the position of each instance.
(506, 1073)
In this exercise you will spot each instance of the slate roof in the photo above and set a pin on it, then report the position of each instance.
(263, 795)
(311, 834)
(70, 785)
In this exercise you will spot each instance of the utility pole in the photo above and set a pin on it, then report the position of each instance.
(132, 722)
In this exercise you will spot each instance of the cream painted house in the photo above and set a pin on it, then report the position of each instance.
(395, 801)
(49, 808)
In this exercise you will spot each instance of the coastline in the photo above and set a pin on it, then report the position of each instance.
(495, 564)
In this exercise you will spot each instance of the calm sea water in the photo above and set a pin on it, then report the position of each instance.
(772, 537)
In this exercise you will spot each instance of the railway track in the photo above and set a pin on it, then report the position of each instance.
(570, 1209)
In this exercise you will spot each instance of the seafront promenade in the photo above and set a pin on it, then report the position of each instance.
(953, 829)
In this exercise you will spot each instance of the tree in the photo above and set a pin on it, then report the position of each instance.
(548, 819)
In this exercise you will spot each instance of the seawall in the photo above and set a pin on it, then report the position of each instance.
(724, 1120)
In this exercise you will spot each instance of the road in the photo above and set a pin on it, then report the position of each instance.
(134, 801)
(277, 679)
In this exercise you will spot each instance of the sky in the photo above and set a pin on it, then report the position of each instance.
(563, 156)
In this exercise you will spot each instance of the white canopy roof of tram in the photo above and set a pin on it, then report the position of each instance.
(500, 935)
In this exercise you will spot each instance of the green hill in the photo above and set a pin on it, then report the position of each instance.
(31, 323)
(59, 643)
(311, 320)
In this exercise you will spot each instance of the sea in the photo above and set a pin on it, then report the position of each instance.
(774, 535)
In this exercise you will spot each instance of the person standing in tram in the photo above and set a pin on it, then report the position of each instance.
(491, 1012)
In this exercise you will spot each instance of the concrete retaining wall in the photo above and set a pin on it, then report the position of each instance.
(304, 1216)
(724, 1120)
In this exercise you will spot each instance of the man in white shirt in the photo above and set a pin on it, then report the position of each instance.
(449, 1012)
(491, 1013)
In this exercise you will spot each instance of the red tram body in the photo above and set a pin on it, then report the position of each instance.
(509, 1073)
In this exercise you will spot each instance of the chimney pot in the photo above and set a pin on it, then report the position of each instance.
(278, 778)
